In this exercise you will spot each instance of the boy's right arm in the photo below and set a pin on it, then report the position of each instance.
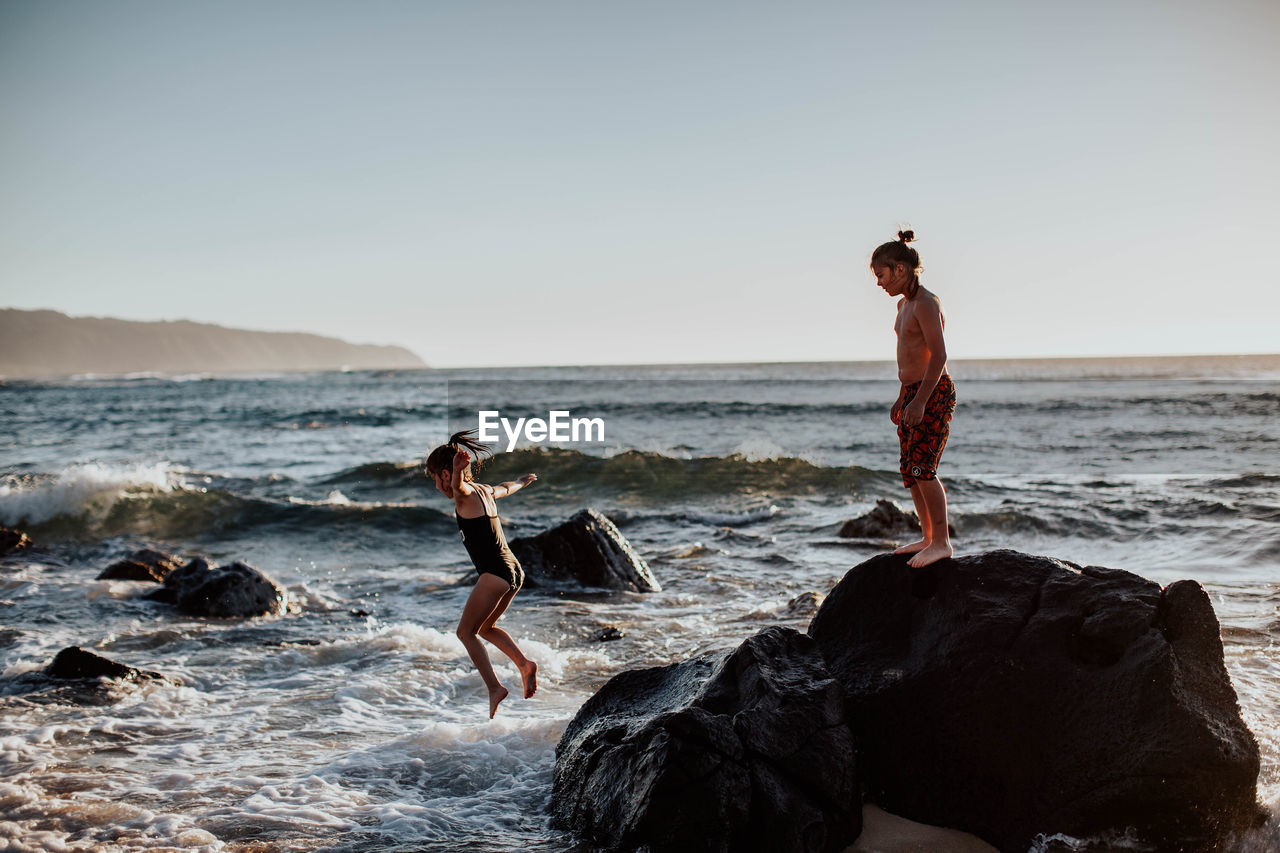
(895, 412)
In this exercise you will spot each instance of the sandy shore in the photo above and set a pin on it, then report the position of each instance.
(886, 833)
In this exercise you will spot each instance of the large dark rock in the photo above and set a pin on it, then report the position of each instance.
(74, 662)
(741, 750)
(79, 677)
(1010, 695)
(587, 549)
(13, 540)
(235, 590)
(144, 565)
(884, 521)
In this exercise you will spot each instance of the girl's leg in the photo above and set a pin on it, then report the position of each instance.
(490, 631)
(485, 597)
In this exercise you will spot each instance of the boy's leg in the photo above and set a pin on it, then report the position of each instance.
(938, 536)
(922, 511)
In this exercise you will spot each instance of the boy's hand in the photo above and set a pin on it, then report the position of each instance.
(527, 479)
(914, 412)
(461, 460)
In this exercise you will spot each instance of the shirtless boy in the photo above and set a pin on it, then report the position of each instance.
(927, 398)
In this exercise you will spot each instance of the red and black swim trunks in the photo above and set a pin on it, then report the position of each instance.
(922, 444)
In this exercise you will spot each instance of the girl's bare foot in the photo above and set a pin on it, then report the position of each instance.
(913, 548)
(496, 695)
(530, 676)
(932, 554)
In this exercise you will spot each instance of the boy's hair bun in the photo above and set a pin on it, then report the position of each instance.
(898, 252)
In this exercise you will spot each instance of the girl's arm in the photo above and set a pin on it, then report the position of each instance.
(462, 490)
(510, 487)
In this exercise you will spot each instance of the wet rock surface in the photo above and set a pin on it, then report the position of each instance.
(232, 591)
(13, 541)
(739, 750)
(80, 677)
(74, 662)
(606, 634)
(147, 564)
(586, 550)
(805, 604)
(1009, 695)
(884, 521)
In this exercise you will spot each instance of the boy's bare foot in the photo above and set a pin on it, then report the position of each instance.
(530, 676)
(932, 554)
(913, 548)
(496, 695)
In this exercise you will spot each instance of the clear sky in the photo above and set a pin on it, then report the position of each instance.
(536, 182)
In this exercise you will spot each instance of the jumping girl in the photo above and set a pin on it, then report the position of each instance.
(501, 577)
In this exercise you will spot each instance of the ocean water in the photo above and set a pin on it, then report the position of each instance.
(358, 723)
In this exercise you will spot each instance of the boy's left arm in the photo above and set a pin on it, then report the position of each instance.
(930, 319)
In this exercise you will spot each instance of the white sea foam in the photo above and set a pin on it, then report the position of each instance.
(758, 449)
(426, 642)
(334, 498)
(448, 778)
(42, 820)
(91, 488)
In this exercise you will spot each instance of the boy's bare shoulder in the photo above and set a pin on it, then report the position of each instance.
(930, 296)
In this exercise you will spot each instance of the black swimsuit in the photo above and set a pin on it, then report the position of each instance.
(486, 543)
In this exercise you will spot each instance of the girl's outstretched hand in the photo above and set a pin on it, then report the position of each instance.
(527, 479)
(461, 460)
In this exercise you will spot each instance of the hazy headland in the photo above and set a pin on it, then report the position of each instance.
(36, 344)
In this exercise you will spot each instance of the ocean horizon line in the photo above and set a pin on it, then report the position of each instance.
(1249, 361)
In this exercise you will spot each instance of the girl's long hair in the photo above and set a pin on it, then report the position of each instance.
(441, 459)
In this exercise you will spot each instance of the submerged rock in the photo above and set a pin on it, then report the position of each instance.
(74, 662)
(884, 521)
(740, 750)
(235, 590)
(13, 540)
(804, 604)
(607, 634)
(144, 565)
(79, 677)
(1009, 695)
(587, 549)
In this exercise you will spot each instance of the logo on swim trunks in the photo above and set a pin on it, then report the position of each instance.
(916, 472)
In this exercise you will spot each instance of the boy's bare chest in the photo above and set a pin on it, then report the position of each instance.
(906, 322)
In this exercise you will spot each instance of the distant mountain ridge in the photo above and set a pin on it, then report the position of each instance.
(48, 344)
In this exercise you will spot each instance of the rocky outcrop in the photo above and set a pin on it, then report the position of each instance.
(47, 343)
(740, 750)
(587, 550)
(144, 565)
(232, 591)
(12, 541)
(884, 521)
(1009, 695)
